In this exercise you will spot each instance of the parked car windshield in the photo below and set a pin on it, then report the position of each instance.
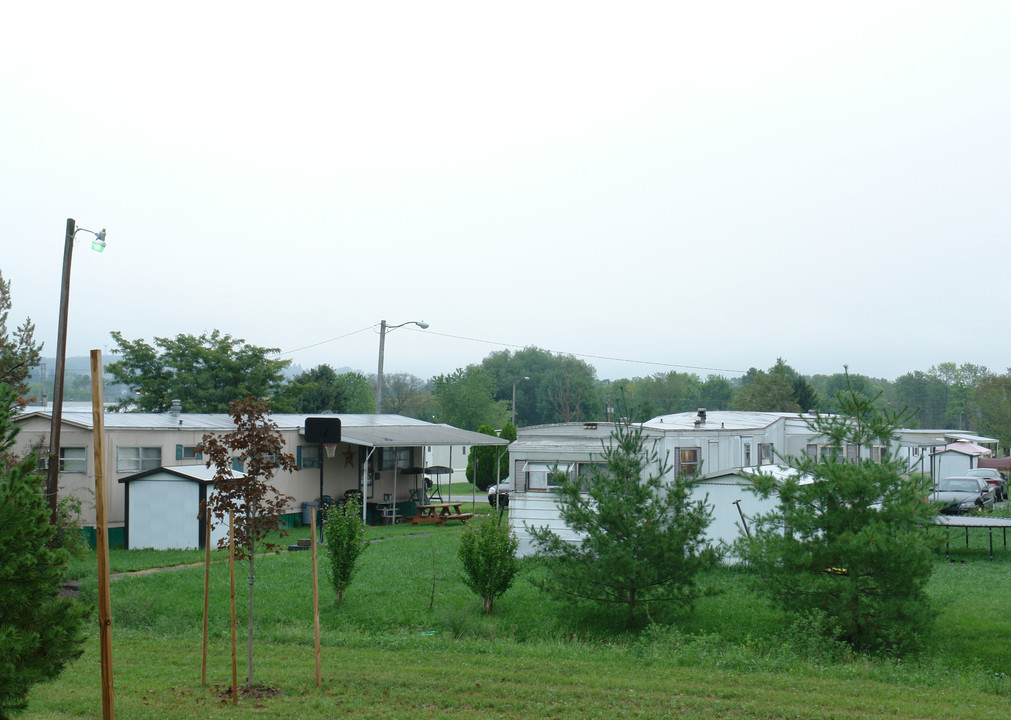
(958, 486)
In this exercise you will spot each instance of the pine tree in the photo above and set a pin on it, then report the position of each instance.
(643, 538)
(40, 633)
(849, 540)
(19, 352)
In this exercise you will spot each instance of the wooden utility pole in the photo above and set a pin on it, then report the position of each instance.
(315, 589)
(101, 533)
(231, 573)
(207, 591)
(53, 471)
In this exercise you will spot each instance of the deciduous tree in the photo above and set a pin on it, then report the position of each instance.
(321, 389)
(345, 543)
(256, 444)
(560, 388)
(926, 395)
(205, 372)
(466, 399)
(960, 383)
(993, 395)
(488, 553)
(404, 394)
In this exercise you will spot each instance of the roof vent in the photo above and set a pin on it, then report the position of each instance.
(177, 407)
(701, 419)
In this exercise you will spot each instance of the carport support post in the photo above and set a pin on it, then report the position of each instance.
(319, 503)
(365, 469)
(101, 535)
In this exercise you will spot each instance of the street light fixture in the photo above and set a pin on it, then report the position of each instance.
(513, 421)
(53, 471)
(383, 329)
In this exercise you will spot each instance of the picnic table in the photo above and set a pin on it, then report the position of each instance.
(439, 513)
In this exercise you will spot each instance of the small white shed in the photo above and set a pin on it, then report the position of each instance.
(730, 495)
(957, 457)
(163, 508)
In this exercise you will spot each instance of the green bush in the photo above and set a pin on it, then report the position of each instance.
(345, 543)
(488, 553)
(492, 461)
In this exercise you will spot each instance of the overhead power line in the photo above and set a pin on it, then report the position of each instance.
(324, 342)
(587, 355)
(513, 345)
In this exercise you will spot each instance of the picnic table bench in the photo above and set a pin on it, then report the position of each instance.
(439, 513)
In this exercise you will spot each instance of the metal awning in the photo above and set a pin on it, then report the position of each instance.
(412, 435)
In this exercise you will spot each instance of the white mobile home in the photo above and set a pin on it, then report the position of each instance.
(718, 446)
(380, 456)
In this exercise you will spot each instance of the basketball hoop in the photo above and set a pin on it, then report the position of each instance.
(331, 449)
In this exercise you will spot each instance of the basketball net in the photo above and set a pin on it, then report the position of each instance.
(331, 449)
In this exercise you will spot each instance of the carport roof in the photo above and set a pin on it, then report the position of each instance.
(415, 434)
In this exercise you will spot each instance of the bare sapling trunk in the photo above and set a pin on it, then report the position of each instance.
(249, 679)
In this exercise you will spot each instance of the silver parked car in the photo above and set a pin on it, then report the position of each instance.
(963, 495)
(994, 478)
(498, 495)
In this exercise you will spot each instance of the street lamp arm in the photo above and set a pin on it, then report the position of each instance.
(98, 244)
(420, 323)
(383, 329)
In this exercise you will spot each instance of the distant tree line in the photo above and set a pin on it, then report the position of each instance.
(207, 372)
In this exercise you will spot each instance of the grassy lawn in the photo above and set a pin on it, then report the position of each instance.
(461, 491)
(411, 641)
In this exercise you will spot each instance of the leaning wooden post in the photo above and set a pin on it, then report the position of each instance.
(101, 535)
(315, 588)
(207, 592)
(231, 573)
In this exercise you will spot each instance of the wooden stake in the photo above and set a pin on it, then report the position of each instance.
(315, 589)
(231, 572)
(101, 535)
(207, 593)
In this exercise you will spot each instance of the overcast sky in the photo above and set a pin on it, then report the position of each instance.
(650, 186)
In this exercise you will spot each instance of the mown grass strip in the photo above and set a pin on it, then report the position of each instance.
(441, 678)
